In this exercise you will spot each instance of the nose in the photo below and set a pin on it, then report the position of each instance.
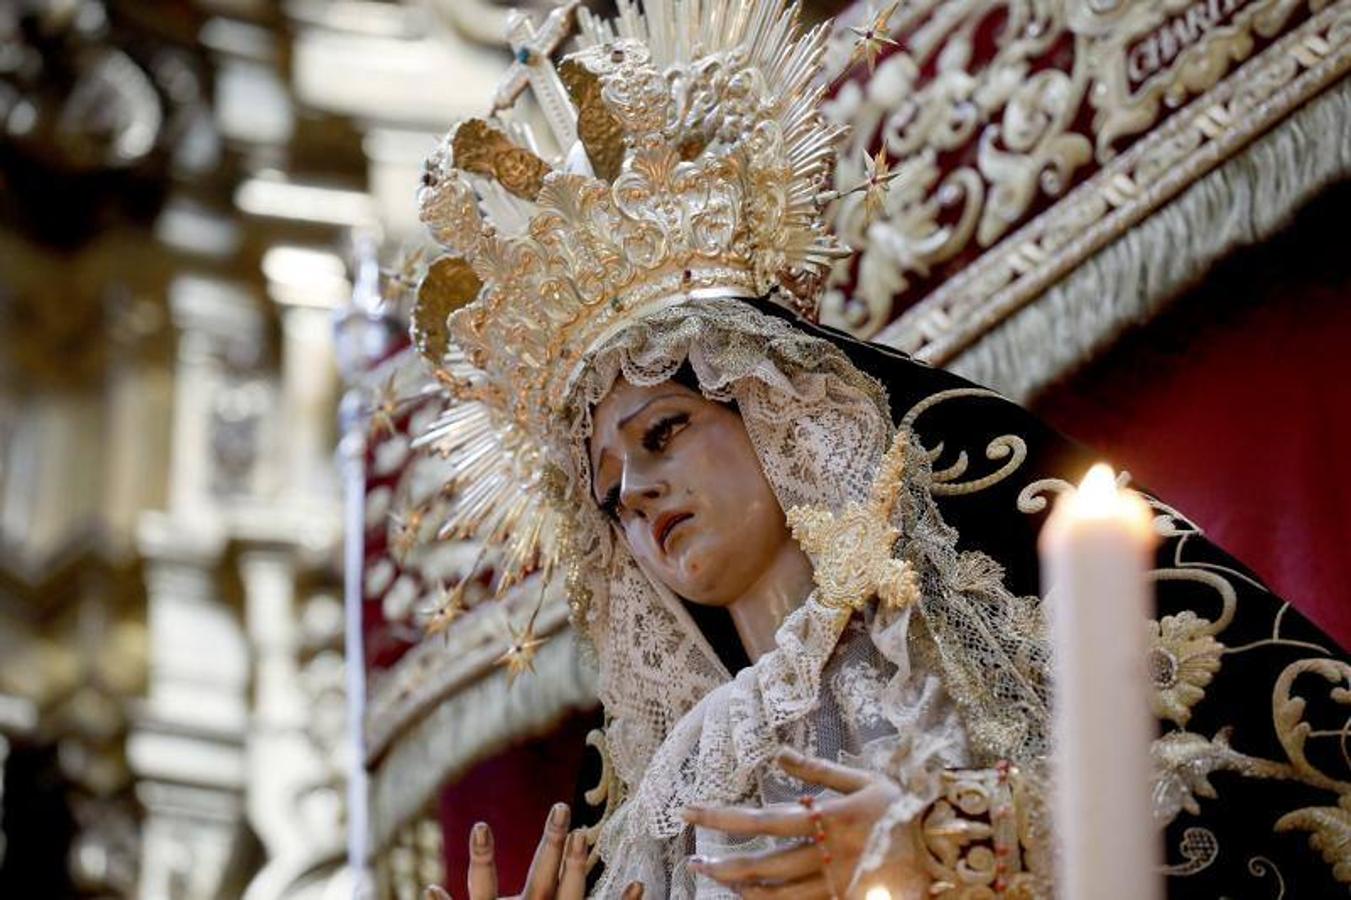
(639, 487)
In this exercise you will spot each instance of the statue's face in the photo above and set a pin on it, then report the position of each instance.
(679, 476)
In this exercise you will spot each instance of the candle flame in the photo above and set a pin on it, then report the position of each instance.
(1099, 499)
(1097, 495)
(878, 893)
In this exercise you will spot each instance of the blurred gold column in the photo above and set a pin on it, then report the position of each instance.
(415, 859)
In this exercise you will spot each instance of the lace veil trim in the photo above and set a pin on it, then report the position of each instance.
(820, 427)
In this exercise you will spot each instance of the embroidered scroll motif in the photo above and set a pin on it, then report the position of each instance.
(1186, 654)
(1008, 447)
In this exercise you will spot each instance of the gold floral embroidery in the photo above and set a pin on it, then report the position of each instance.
(1183, 763)
(1183, 658)
(1184, 654)
(852, 550)
(1330, 828)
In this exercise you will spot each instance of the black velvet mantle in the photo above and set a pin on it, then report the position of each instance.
(1271, 795)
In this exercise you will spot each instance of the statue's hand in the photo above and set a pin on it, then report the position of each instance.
(817, 867)
(558, 871)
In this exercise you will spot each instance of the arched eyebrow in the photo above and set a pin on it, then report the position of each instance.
(595, 462)
(637, 412)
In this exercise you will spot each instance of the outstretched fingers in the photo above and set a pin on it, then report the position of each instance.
(572, 880)
(782, 864)
(779, 821)
(824, 772)
(542, 881)
(482, 864)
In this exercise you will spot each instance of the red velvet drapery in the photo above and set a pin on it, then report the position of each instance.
(1235, 407)
(512, 792)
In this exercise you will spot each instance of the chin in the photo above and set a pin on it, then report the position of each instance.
(696, 590)
(698, 575)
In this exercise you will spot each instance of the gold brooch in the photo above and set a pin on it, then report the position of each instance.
(852, 550)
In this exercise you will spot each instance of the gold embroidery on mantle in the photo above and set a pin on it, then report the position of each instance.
(1183, 658)
(1199, 848)
(1005, 446)
(853, 550)
(1330, 833)
(1185, 655)
(1329, 826)
(1260, 867)
(1183, 761)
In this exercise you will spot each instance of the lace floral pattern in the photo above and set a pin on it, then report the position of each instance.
(844, 685)
(819, 427)
(857, 690)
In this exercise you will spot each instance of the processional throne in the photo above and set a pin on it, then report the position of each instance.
(1091, 212)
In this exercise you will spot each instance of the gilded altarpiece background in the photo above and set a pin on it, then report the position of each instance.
(177, 282)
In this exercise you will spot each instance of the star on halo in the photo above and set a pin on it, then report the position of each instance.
(878, 176)
(519, 656)
(874, 37)
(407, 530)
(450, 608)
(386, 409)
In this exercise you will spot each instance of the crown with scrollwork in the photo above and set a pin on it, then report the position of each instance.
(693, 164)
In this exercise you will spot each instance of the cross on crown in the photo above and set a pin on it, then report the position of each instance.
(533, 67)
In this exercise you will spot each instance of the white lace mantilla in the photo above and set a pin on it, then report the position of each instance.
(830, 689)
(866, 689)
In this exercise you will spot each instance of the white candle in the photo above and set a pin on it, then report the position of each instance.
(1095, 550)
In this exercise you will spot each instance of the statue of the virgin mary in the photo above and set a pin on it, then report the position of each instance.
(821, 652)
